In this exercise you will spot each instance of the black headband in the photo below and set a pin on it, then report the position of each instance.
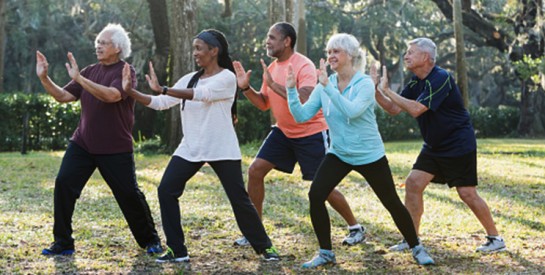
(210, 39)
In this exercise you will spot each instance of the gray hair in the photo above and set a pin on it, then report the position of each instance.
(120, 39)
(351, 46)
(426, 45)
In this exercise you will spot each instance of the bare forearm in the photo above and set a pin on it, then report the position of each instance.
(103, 93)
(56, 91)
(412, 107)
(386, 104)
(180, 93)
(257, 99)
(140, 97)
(279, 89)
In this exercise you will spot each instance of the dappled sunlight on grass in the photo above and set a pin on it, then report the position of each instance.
(511, 180)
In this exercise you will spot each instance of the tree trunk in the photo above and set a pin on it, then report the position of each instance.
(461, 66)
(2, 41)
(301, 28)
(144, 116)
(277, 11)
(528, 42)
(183, 27)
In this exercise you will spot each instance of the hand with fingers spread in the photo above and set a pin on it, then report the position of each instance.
(72, 67)
(243, 77)
(290, 79)
(153, 82)
(322, 73)
(41, 65)
(267, 77)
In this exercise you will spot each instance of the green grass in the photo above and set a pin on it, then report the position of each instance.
(512, 180)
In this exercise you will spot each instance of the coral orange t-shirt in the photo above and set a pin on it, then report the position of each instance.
(305, 74)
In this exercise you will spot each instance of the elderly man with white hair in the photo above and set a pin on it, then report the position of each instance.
(103, 140)
(449, 153)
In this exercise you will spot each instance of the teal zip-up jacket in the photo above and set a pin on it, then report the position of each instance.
(350, 115)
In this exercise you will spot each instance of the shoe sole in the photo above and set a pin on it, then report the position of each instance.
(326, 264)
(271, 259)
(355, 243)
(177, 260)
(492, 251)
(235, 243)
(67, 252)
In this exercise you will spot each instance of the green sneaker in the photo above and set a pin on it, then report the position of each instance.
(271, 254)
(170, 256)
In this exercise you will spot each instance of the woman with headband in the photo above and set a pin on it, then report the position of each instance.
(207, 98)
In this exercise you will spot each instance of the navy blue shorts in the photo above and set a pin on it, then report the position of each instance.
(284, 152)
(454, 171)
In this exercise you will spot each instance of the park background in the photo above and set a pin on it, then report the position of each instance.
(494, 48)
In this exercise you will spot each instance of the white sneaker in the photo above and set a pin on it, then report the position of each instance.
(492, 245)
(402, 246)
(242, 241)
(355, 236)
(421, 256)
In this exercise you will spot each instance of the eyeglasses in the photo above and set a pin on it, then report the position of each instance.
(103, 42)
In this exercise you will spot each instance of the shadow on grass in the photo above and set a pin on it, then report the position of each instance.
(531, 224)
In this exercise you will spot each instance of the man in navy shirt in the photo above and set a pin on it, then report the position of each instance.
(449, 152)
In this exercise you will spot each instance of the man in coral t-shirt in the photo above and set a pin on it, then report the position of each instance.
(289, 142)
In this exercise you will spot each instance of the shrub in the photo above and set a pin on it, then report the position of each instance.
(50, 124)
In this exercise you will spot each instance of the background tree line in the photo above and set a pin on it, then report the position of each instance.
(504, 50)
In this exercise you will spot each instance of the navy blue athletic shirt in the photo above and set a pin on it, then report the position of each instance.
(445, 127)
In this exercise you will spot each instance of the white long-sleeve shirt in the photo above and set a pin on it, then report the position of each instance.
(209, 134)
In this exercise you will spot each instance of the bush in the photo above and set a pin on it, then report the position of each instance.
(50, 124)
(253, 124)
(495, 122)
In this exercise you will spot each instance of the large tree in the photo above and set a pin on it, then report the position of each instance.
(182, 29)
(2, 41)
(523, 39)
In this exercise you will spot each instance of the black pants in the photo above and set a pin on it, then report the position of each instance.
(172, 186)
(378, 175)
(119, 173)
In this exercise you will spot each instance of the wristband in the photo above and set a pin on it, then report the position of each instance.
(165, 90)
(246, 89)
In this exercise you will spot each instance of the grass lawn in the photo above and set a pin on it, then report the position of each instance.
(512, 180)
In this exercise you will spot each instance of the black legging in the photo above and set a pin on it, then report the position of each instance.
(229, 172)
(330, 173)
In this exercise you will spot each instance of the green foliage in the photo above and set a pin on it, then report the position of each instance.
(400, 127)
(50, 124)
(529, 68)
(495, 122)
(253, 124)
(150, 146)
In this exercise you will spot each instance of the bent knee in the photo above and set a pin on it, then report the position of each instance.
(467, 193)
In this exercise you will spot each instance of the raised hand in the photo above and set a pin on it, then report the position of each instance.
(127, 79)
(384, 85)
(72, 67)
(41, 65)
(290, 78)
(267, 77)
(243, 77)
(322, 73)
(152, 79)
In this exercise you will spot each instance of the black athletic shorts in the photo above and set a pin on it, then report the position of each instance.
(454, 171)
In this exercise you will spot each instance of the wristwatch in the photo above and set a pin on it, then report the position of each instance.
(165, 90)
